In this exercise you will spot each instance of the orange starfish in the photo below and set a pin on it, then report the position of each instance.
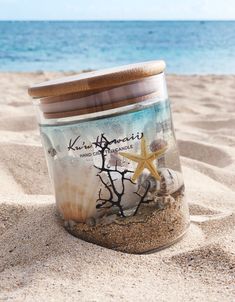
(144, 160)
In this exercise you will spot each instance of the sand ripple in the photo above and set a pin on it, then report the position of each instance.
(40, 261)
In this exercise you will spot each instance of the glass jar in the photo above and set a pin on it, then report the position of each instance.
(112, 157)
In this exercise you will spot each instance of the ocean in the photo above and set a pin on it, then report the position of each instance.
(188, 47)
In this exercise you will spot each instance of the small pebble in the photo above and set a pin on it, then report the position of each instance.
(91, 221)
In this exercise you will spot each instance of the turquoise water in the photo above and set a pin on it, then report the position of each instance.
(187, 47)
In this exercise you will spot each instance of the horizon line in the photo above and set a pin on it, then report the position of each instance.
(117, 20)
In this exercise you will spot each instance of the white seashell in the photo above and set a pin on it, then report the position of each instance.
(171, 181)
(145, 180)
(76, 188)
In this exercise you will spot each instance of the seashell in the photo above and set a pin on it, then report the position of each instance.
(164, 201)
(76, 188)
(171, 181)
(157, 144)
(146, 179)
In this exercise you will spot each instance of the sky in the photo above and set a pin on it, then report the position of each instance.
(117, 9)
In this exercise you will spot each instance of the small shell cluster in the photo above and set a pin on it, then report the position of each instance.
(156, 145)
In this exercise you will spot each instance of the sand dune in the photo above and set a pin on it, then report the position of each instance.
(40, 261)
(205, 153)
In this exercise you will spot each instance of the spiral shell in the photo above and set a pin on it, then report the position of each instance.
(171, 181)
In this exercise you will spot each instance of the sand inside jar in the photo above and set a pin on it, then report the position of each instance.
(155, 226)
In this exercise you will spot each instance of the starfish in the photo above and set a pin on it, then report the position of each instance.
(144, 160)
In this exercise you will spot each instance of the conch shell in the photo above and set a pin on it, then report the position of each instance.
(171, 181)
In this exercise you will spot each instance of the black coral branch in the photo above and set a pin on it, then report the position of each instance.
(114, 190)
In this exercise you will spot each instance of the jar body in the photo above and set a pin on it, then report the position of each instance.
(117, 178)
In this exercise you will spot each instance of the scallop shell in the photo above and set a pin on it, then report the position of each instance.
(76, 188)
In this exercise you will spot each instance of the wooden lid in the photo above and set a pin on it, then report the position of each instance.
(121, 103)
(95, 80)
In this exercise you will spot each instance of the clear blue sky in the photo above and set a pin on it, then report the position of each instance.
(116, 9)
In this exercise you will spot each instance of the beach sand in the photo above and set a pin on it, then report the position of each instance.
(40, 261)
